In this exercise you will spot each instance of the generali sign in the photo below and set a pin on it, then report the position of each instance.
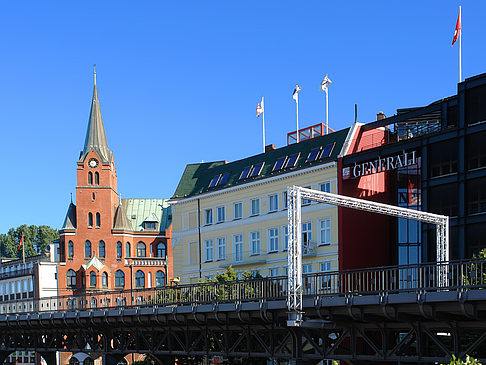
(380, 165)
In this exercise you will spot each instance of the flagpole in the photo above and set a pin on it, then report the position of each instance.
(297, 106)
(263, 119)
(23, 249)
(460, 48)
(327, 113)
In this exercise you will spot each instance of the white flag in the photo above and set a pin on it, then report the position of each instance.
(295, 95)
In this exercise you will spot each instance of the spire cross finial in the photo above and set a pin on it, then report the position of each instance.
(94, 72)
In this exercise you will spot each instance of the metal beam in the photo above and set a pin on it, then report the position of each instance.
(294, 196)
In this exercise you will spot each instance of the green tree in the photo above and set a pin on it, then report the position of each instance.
(468, 361)
(36, 239)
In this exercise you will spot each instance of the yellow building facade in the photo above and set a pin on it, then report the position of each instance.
(235, 214)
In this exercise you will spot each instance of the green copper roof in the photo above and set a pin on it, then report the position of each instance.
(139, 211)
(197, 178)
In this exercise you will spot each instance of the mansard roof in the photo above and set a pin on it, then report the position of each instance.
(206, 177)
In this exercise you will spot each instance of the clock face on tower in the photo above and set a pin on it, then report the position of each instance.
(93, 162)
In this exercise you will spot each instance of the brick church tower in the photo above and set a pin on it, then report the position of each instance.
(108, 243)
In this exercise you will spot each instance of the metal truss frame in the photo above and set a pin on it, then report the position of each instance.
(295, 194)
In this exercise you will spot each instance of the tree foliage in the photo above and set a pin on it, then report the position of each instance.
(36, 239)
(468, 361)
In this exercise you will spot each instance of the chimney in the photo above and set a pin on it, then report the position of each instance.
(380, 115)
(269, 148)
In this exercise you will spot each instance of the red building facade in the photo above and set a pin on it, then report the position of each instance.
(108, 243)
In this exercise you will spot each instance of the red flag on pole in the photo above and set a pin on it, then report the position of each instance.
(457, 30)
(21, 241)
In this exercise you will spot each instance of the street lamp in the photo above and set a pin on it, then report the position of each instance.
(324, 86)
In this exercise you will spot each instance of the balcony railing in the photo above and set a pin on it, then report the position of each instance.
(17, 273)
(145, 261)
(422, 278)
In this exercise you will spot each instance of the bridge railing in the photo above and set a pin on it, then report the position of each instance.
(461, 275)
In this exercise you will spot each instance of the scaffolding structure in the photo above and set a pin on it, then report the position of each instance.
(295, 194)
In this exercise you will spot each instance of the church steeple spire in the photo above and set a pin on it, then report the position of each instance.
(95, 135)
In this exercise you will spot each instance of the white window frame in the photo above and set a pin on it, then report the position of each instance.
(208, 247)
(273, 203)
(221, 214)
(284, 200)
(254, 243)
(272, 240)
(303, 231)
(328, 229)
(325, 281)
(236, 253)
(285, 238)
(237, 208)
(273, 272)
(306, 268)
(221, 241)
(326, 183)
(252, 207)
(306, 202)
(208, 216)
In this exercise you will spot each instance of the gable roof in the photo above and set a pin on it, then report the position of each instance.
(197, 177)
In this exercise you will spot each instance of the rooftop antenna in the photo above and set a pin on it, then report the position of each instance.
(355, 113)
(71, 198)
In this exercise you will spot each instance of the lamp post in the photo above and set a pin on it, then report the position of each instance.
(324, 86)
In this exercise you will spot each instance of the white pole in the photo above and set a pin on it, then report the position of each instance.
(460, 50)
(297, 105)
(327, 113)
(263, 118)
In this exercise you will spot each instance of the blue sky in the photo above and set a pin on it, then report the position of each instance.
(179, 82)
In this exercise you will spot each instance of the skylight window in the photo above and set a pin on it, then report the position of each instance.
(214, 181)
(313, 155)
(224, 178)
(279, 163)
(327, 150)
(292, 160)
(245, 172)
(257, 169)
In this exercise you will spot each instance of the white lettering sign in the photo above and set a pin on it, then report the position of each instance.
(380, 164)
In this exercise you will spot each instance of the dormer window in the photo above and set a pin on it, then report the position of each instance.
(149, 225)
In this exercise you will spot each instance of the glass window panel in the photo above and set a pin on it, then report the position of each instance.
(214, 181)
(257, 169)
(313, 155)
(224, 179)
(279, 163)
(292, 160)
(245, 172)
(327, 150)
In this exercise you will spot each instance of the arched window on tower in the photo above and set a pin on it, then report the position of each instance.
(118, 250)
(92, 278)
(101, 249)
(71, 278)
(141, 249)
(127, 249)
(104, 280)
(119, 279)
(70, 249)
(140, 279)
(97, 178)
(159, 278)
(90, 220)
(98, 220)
(87, 249)
(90, 178)
(161, 249)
